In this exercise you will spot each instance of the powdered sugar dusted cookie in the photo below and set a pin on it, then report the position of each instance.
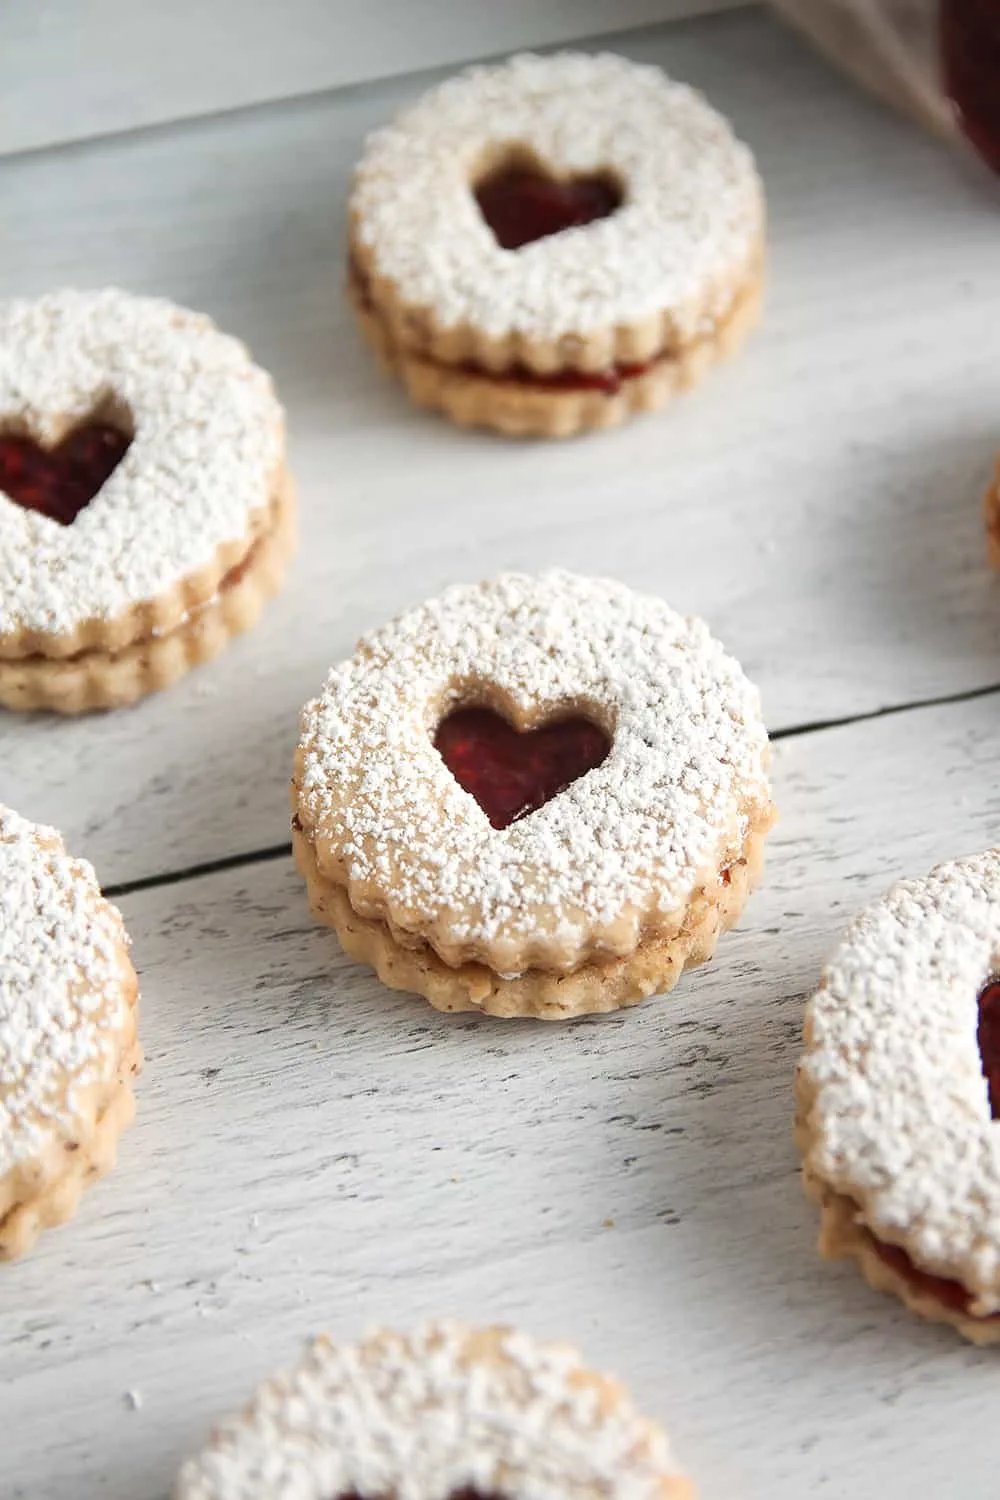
(552, 243)
(448, 1411)
(68, 1044)
(537, 795)
(899, 1094)
(145, 510)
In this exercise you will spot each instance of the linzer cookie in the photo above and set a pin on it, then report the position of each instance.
(554, 243)
(449, 1411)
(899, 1095)
(534, 796)
(68, 1042)
(145, 509)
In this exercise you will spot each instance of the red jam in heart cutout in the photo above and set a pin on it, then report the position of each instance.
(970, 58)
(512, 774)
(520, 203)
(59, 482)
(989, 1039)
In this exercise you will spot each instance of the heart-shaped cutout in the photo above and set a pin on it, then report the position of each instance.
(510, 773)
(521, 202)
(59, 482)
(989, 1039)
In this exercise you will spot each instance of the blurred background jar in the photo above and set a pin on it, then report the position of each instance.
(938, 60)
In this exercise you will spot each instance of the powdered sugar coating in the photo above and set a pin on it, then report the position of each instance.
(619, 852)
(419, 1418)
(681, 242)
(64, 1003)
(900, 1117)
(208, 440)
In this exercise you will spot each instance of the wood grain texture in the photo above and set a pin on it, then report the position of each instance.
(817, 501)
(70, 70)
(312, 1150)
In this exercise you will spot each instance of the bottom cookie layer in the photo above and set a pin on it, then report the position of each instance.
(100, 679)
(531, 407)
(598, 986)
(887, 1268)
(90, 1160)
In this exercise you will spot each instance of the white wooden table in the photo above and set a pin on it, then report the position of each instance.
(312, 1151)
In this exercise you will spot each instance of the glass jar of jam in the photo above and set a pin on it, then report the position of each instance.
(938, 60)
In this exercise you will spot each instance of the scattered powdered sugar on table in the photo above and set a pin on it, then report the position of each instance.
(681, 242)
(687, 763)
(900, 1120)
(62, 1003)
(208, 434)
(428, 1415)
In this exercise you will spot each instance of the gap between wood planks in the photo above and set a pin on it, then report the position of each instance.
(284, 851)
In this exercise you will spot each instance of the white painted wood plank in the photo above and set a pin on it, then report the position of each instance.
(818, 501)
(70, 70)
(314, 1151)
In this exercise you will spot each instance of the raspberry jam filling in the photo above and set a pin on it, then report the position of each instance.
(608, 381)
(970, 58)
(511, 774)
(989, 1039)
(60, 482)
(467, 1492)
(522, 204)
(952, 1294)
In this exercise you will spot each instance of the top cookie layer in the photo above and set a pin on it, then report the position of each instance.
(899, 1117)
(617, 855)
(682, 242)
(422, 1418)
(66, 990)
(207, 446)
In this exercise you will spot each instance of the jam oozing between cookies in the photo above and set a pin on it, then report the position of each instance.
(970, 60)
(952, 1294)
(467, 1492)
(59, 482)
(609, 381)
(511, 774)
(989, 1039)
(521, 203)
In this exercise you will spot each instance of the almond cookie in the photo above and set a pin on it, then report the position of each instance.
(445, 1412)
(899, 1093)
(145, 509)
(553, 243)
(534, 796)
(68, 1042)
